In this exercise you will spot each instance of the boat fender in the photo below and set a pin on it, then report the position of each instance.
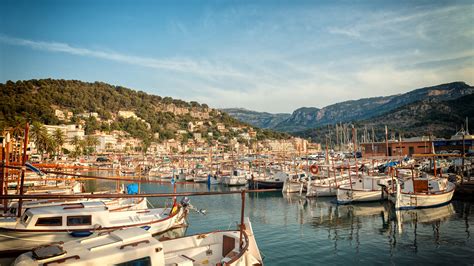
(80, 233)
(314, 169)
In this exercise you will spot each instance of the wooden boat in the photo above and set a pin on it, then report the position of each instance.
(422, 192)
(65, 222)
(238, 177)
(363, 188)
(294, 183)
(273, 181)
(325, 187)
(136, 246)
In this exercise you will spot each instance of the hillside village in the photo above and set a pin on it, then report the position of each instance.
(196, 137)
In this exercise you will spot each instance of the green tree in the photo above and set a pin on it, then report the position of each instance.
(59, 138)
(39, 135)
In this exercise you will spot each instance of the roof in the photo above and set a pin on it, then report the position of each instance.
(92, 206)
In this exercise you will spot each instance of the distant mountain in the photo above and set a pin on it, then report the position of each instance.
(258, 119)
(306, 118)
(429, 116)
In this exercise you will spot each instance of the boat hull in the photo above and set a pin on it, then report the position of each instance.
(347, 195)
(255, 184)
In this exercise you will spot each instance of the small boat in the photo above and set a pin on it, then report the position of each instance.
(363, 188)
(136, 246)
(294, 183)
(325, 187)
(237, 178)
(424, 192)
(68, 221)
(274, 181)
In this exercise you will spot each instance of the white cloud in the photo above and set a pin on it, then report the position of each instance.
(201, 68)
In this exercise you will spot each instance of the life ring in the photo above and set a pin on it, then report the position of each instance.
(314, 169)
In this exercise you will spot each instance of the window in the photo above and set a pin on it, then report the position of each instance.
(79, 220)
(50, 221)
(138, 262)
(25, 218)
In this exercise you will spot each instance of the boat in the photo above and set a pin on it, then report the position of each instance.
(238, 177)
(325, 187)
(423, 192)
(294, 183)
(136, 246)
(363, 188)
(65, 222)
(273, 181)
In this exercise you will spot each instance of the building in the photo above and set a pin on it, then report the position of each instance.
(107, 143)
(418, 145)
(127, 114)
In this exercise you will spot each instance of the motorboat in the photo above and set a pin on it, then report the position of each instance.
(136, 246)
(65, 222)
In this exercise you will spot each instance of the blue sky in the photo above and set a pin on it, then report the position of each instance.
(270, 56)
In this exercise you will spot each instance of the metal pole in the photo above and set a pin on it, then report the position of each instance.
(23, 168)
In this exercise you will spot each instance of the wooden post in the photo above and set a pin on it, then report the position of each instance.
(463, 156)
(242, 213)
(23, 168)
(386, 141)
(6, 174)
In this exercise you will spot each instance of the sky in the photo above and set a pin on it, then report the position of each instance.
(273, 56)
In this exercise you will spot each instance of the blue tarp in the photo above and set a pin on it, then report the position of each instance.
(132, 189)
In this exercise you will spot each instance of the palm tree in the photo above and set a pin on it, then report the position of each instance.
(44, 143)
(90, 142)
(58, 137)
(76, 142)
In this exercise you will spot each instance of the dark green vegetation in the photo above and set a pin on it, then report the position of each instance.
(429, 116)
(37, 100)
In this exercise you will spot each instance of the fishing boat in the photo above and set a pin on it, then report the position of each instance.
(136, 246)
(238, 177)
(272, 181)
(69, 221)
(325, 187)
(294, 183)
(363, 188)
(423, 192)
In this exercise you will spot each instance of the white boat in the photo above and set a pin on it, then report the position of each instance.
(117, 204)
(422, 192)
(65, 222)
(325, 187)
(364, 188)
(294, 183)
(136, 246)
(238, 177)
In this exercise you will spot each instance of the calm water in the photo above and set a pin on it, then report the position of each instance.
(295, 231)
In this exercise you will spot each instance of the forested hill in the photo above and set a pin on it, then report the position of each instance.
(38, 100)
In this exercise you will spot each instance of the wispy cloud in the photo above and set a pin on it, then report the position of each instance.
(201, 68)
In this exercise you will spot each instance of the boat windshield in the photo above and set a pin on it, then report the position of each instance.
(25, 218)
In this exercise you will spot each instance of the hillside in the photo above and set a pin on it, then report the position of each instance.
(347, 111)
(429, 116)
(41, 100)
(258, 119)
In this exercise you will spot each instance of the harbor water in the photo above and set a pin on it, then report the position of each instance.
(293, 230)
